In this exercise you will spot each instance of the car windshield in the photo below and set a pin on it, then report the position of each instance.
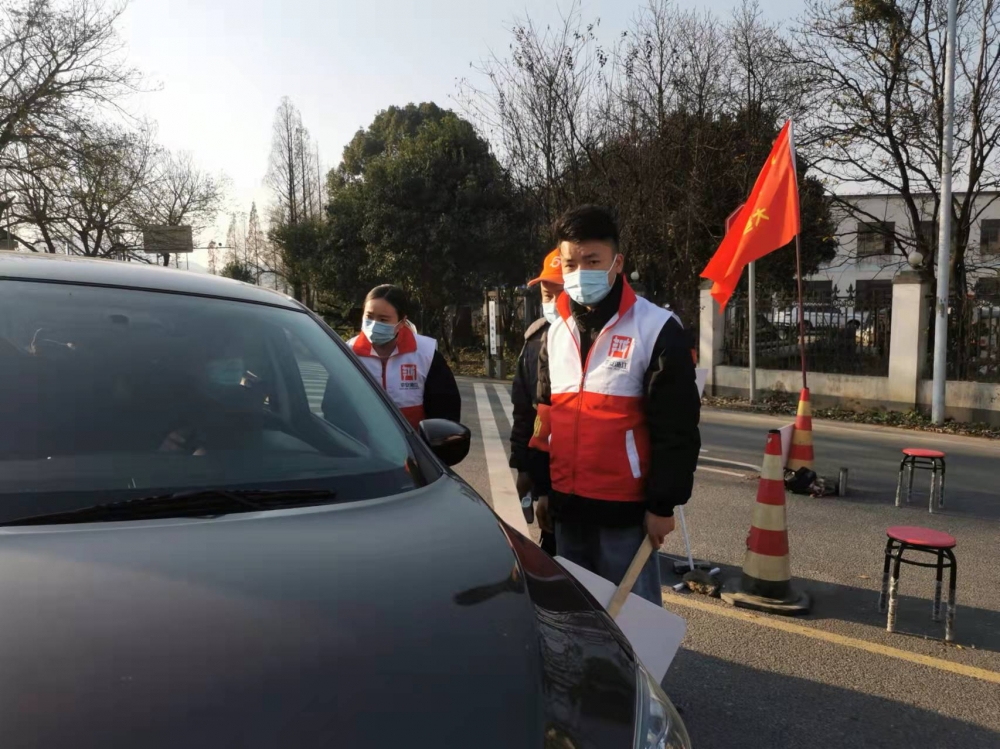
(109, 394)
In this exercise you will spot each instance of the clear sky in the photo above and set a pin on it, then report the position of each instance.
(223, 65)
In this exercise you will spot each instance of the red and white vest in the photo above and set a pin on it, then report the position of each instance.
(404, 373)
(596, 425)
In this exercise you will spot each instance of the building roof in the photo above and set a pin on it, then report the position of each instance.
(97, 272)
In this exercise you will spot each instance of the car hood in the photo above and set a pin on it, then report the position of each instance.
(406, 620)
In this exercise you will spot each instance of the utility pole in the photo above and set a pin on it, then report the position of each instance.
(944, 227)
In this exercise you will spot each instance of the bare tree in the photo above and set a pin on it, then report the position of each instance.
(308, 176)
(85, 202)
(180, 193)
(540, 108)
(875, 75)
(236, 240)
(256, 245)
(60, 64)
(284, 175)
(669, 125)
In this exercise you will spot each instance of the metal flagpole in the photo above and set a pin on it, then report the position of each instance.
(753, 331)
(944, 228)
(802, 317)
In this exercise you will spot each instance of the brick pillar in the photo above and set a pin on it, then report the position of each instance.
(908, 337)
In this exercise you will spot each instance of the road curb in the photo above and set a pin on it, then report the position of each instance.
(858, 427)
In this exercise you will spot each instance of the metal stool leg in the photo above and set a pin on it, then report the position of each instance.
(909, 481)
(890, 624)
(949, 622)
(936, 609)
(899, 484)
(933, 496)
(941, 486)
(885, 576)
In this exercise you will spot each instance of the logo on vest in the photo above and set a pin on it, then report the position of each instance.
(618, 354)
(408, 377)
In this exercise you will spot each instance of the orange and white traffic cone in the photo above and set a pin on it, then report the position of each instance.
(766, 581)
(801, 453)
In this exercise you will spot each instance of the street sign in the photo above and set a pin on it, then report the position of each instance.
(493, 326)
(167, 240)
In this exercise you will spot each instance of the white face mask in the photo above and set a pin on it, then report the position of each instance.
(379, 333)
(549, 312)
(588, 287)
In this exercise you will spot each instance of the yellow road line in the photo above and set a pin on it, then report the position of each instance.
(784, 625)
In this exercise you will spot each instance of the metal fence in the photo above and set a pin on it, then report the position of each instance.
(973, 340)
(843, 334)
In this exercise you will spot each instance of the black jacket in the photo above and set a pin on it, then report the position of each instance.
(441, 397)
(673, 410)
(523, 393)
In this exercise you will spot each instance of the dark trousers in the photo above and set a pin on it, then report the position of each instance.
(608, 552)
(548, 543)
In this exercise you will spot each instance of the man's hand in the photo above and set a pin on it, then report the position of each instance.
(524, 484)
(542, 515)
(658, 528)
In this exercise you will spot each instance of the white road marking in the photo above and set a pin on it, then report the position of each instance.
(506, 503)
(314, 377)
(736, 463)
(719, 470)
(508, 406)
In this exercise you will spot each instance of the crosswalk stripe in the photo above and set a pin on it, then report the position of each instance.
(314, 377)
(508, 406)
(506, 503)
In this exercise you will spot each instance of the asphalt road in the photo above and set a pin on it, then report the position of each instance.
(833, 678)
(871, 455)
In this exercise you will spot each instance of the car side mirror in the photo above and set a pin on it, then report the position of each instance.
(449, 440)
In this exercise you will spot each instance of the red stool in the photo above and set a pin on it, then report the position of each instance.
(916, 458)
(904, 538)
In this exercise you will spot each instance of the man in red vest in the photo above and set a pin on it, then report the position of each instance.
(524, 389)
(618, 409)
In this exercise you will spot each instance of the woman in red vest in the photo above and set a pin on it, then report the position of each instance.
(409, 366)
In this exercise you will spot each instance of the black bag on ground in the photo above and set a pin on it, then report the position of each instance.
(801, 481)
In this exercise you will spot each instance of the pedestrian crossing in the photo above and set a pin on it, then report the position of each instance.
(314, 378)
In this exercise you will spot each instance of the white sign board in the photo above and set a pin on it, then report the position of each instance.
(654, 633)
(493, 326)
(786, 442)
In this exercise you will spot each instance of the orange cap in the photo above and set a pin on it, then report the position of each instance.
(551, 269)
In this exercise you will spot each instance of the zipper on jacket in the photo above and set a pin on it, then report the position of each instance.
(384, 363)
(579, 399)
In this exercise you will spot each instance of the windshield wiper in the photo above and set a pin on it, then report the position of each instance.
(196, 503)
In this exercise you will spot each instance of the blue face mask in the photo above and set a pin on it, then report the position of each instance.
(549, 312)
(587, 287)
(379, 333)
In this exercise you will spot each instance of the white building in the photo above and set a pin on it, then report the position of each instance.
(874, 244)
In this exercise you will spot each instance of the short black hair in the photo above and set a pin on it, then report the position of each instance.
(586, 223)
(394, 295)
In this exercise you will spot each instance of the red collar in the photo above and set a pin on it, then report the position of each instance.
(406, 343)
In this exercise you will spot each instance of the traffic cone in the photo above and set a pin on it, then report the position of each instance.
(801, 453)
(766, 581)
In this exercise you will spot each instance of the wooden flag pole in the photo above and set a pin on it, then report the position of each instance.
(802, 319)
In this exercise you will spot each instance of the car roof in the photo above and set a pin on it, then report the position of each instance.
(97, 272)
